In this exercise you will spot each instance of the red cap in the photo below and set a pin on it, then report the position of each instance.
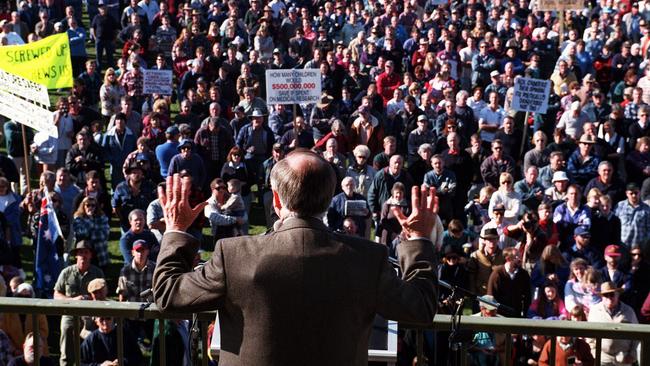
(613, 250)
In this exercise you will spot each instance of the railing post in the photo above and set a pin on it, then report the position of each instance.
(161, 341)
(204, 342)
(36, 329)
(644, 359)
(507, 353)
(76, 339)
(419, 344)
(598, 349)
(553, 350)
(120, 341)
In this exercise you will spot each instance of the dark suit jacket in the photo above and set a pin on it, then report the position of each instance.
(301, 295)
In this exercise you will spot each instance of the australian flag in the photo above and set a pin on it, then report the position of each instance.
(47, 263)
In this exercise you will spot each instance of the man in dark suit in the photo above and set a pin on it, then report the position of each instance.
(302, 294)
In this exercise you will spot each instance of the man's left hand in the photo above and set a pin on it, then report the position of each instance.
(179, 215)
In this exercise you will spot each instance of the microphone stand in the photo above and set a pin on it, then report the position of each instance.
(457, 299)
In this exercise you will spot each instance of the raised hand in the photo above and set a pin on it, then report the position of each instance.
(423, 216)
(179, 215)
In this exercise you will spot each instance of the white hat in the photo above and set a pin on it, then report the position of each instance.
(575, 105)
(494, 73)
(559, 176)
(485, 305)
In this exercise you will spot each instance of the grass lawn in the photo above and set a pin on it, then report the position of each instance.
(256, 216)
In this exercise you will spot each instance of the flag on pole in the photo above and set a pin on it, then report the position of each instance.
(48, 263)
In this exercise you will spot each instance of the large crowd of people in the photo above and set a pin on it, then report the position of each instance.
(543, 212)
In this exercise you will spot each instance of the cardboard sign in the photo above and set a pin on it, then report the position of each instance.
(531, 95)
(157, 81)
(301, 86)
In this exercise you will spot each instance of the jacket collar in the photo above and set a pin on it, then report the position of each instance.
(295, 222)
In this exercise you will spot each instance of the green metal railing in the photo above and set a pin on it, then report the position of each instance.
(508, 326)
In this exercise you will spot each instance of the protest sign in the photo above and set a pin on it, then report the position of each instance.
(531, 95)
(157, 81)
(22, 111)
(46, 62)
(557, 5)
(293, 86)
(24, 88)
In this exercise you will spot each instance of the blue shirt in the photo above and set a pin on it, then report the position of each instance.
(164, 153)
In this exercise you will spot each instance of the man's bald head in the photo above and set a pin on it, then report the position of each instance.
(304, 182)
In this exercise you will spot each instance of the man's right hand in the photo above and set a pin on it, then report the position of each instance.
(424, 213)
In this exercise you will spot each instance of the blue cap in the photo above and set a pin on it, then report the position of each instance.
(172, 130)
(581, 231)
(141, 157)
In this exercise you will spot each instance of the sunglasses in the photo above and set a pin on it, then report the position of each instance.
(220, 188)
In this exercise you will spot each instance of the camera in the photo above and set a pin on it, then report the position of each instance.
(528, 225)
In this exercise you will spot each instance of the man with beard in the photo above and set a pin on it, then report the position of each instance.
(298, 137)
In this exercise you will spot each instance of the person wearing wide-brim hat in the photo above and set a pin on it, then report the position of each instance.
(80, 246)
(72, 284)
(325, 101)
(582, 165)
(611, 310)
(482, 260)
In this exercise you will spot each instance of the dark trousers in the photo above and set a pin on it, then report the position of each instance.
(104, 49)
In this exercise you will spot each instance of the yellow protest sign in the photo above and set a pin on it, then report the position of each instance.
(46, 62)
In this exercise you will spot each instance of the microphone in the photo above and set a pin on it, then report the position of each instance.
(501, 308)
(146, 293)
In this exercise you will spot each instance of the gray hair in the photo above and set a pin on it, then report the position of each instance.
(425, 146)
(135, 212)
(361, 149)
(305, 183)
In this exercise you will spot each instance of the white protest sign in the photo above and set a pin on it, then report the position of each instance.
(25, 88)
(22, 111)
(157, 81)
(531, 95)
(556, 5)
(293, 86)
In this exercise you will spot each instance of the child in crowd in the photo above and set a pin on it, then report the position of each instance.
(235, 206)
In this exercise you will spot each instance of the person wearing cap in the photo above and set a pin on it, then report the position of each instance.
(144, 156)
(572, 120)
(635, 218)
(322, 116)
(213, 141)
(239, 120)
(72, 284)
(421, 135)
(388, 81)
(264, 183)
(582, 248)
(510, 284)
(482, 260)
(136, 276)
(556, 193)
(487, 348)
(612, 310)
(613, 270)
(134, 193)
(118, 142)
(188, 160)
(167, 150)
(582, 165)
(288, 27)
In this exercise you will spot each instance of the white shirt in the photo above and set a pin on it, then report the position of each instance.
(150, 9)
(492, 118)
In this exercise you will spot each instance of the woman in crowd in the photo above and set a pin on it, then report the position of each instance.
(582, 286)
(236, 168)
(507, 196)
(90, 223)
(551, 267)
(389, 227)
(110, 94)
(548, 305)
